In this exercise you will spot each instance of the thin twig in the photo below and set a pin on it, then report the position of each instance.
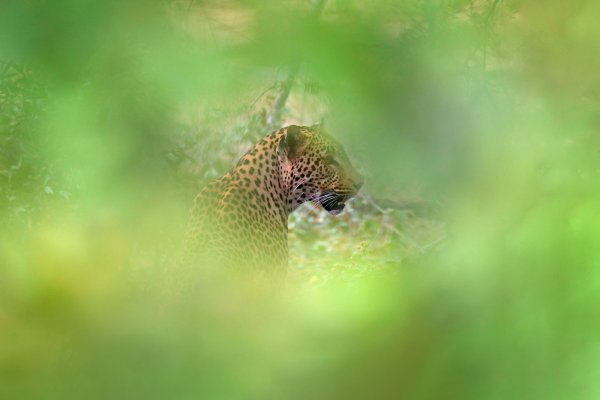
(262, 94)
(407, 238)
(434, 243)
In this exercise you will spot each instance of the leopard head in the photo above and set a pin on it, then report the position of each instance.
(316, 168)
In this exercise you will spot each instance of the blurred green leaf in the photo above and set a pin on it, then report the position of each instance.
(466, 269)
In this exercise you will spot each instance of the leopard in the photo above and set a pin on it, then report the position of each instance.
(240, 220)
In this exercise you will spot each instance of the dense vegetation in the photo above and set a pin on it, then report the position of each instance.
(468, 267)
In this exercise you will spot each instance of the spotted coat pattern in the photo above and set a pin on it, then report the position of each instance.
(240, 220)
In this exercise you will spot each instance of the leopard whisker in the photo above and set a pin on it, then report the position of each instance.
(325, 198)
(329, 201)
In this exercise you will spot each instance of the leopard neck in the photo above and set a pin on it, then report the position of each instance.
(258, 177)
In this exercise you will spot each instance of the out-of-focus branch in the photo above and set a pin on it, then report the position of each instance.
(486, 32)
(274, 118)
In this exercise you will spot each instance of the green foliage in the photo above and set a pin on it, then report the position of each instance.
(468, 267)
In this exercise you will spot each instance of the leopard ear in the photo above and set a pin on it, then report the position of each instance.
(293, 142)
(318, 127)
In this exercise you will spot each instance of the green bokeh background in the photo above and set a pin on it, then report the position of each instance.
(469, 267)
